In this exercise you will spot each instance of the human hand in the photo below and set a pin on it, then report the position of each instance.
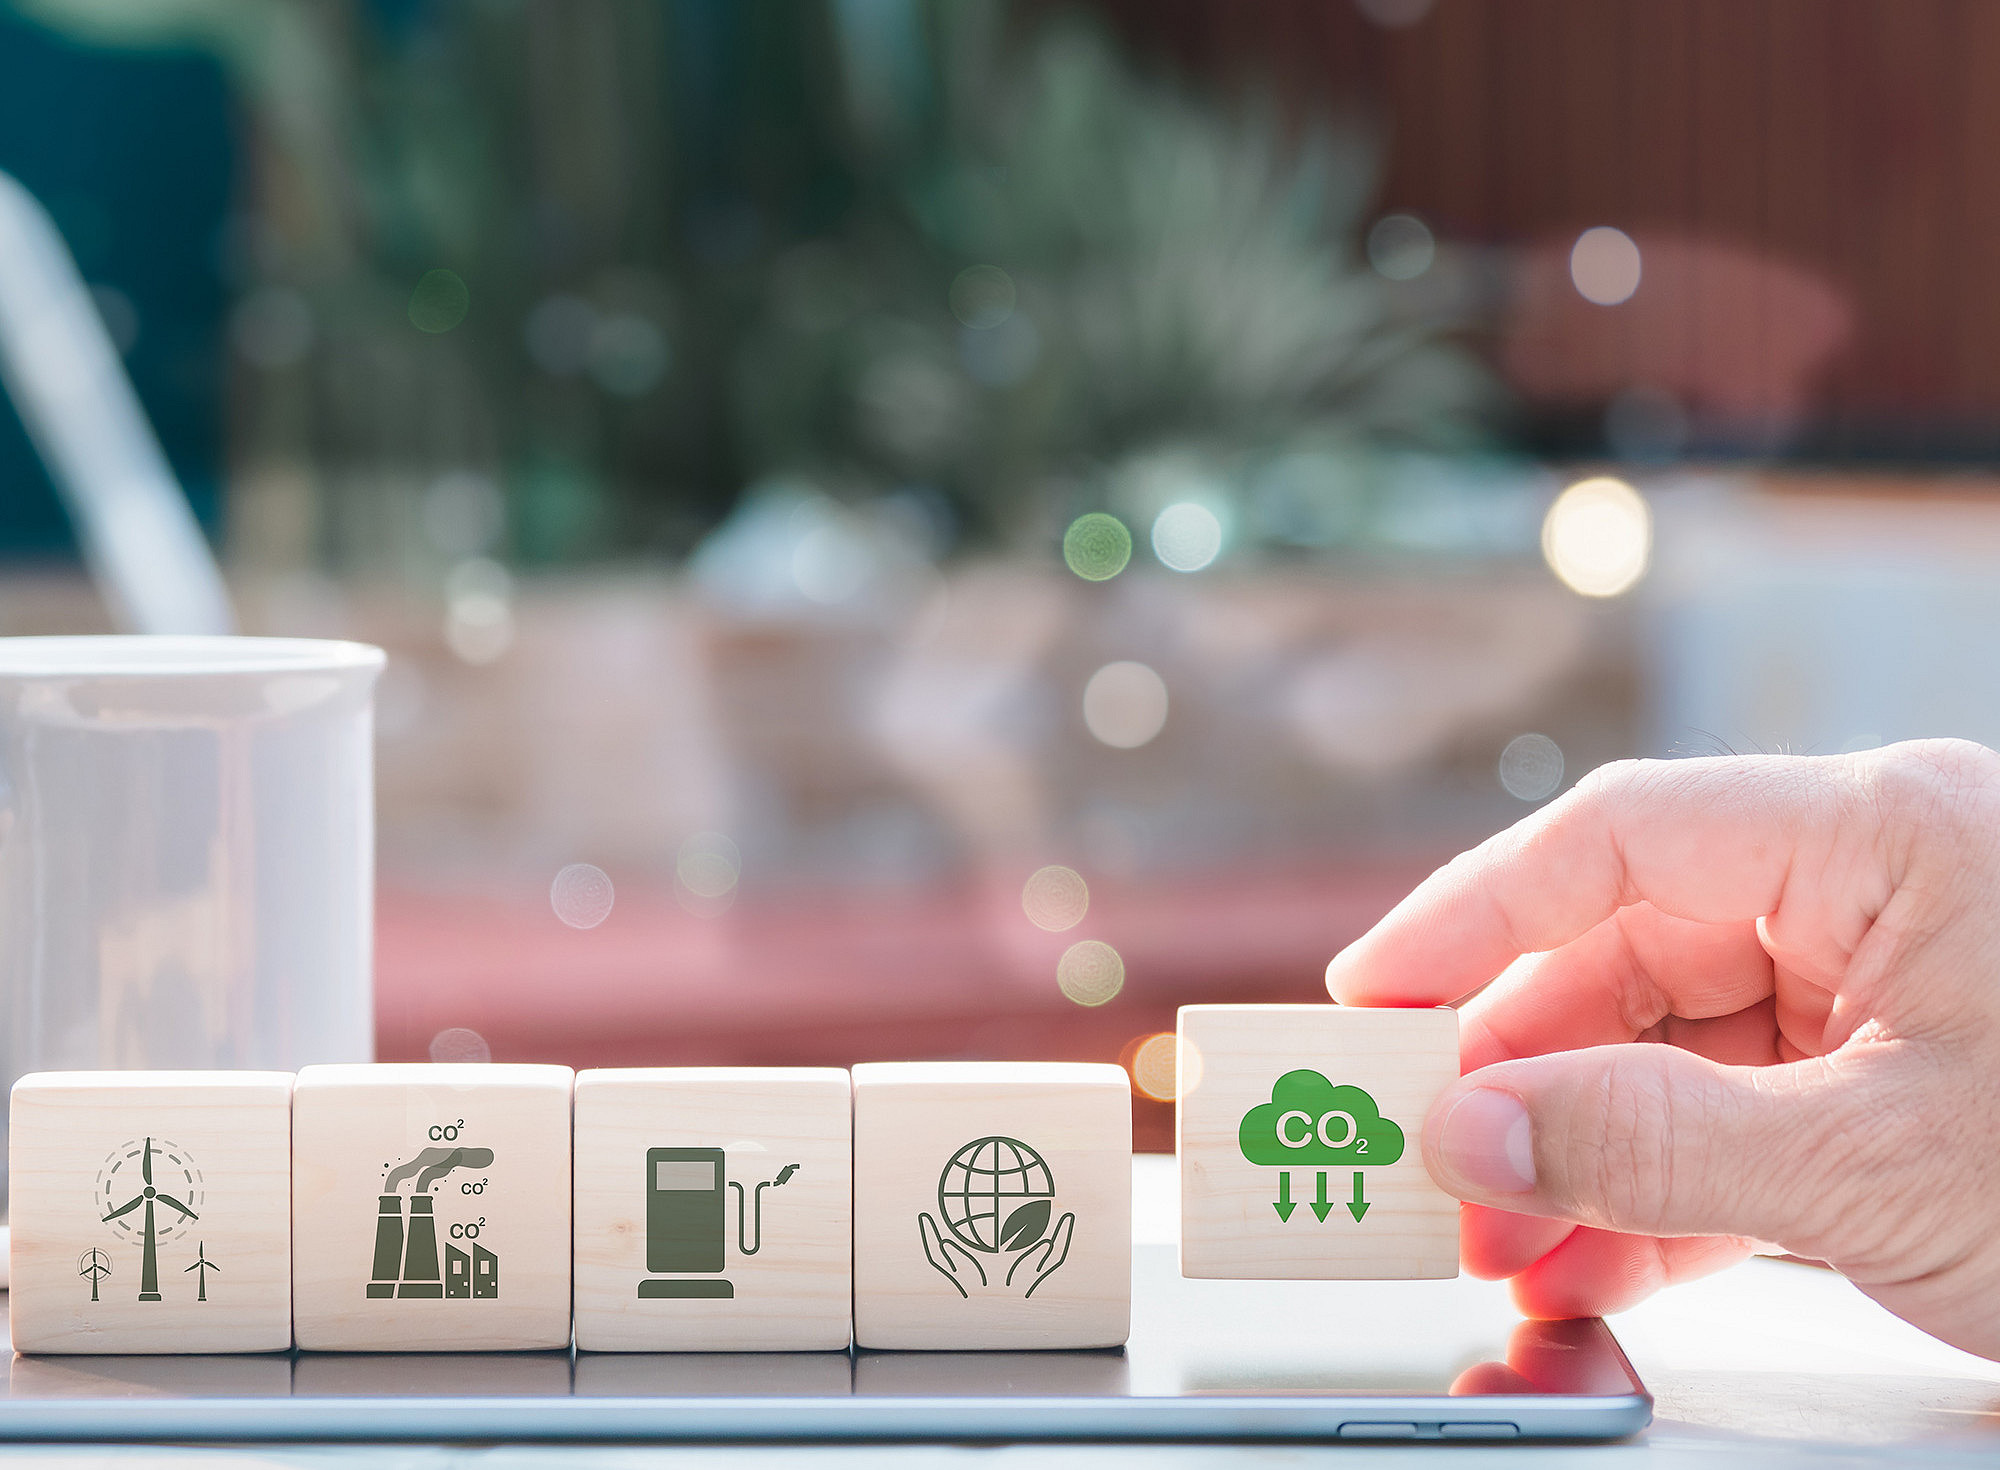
(1816, 941)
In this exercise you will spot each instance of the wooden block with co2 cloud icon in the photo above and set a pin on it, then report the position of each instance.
(713, 1209)
(992, 1205)
(431, 1207)
(151, 1212)
(1300, 1138)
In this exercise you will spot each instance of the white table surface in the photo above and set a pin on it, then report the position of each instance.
(1769, 1364)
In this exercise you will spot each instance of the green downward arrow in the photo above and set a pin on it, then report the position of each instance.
(1357, 1207)
(1284, 1206)
(1321, 1205)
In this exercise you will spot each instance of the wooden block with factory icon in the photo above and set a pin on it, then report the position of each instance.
(150, 1212)
(431, 1207)
(1298, 1129)
(714, 1209)
(992, 1205)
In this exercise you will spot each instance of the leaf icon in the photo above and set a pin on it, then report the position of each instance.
(1025, 1226)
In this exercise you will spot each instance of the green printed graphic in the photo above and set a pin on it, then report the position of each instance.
(996, 1196)
(1312, 1123)
(203, 1265)
(129, 1171)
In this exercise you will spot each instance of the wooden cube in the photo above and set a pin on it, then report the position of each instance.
(431, 1207)
(714, 1209)
(1300, 1137)
(151, 1212)
(992, 1205)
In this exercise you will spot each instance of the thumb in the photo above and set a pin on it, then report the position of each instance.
(1645, 1139)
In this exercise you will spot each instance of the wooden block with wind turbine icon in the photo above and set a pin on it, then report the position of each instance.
(1298, 1129)
(714, 1209)
(150, 1212)
(431, 1207)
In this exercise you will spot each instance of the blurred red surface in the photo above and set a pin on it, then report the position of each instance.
(830, 980)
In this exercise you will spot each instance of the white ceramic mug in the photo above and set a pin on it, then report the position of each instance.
(187, 852)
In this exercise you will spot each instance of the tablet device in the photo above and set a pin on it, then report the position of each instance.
(1207, 1360)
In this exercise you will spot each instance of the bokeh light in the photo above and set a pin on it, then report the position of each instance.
(1401, 247)
(460, 1044)
(982, 296)
(628, 355)
(582, 896)
(708, 865)
(273, 328)
(1090, 972)
(1055, 898)
(479, 610)
(1000, 356)
(1531, 767)
(1604, 264)
(558, 334)
(439, 302)
(1154, 1065)
(1187, 536)
(1598, 537)
(1125, 704)
(1097, 546)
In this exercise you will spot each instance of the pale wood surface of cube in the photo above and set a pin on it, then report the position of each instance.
(794, 1291)
(1233, 1210)
(926, 1134)
(220, 1146)
(382, 1260)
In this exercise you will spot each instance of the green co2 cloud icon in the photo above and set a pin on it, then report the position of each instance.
(1309, 1121)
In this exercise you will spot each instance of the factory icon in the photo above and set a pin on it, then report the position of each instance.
(407, 1260)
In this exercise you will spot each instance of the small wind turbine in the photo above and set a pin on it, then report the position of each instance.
(204, 1265)
(94, 1264)
(149, 1272)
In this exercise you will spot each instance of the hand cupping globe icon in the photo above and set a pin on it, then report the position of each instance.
(984, 1189)
(996, 1196)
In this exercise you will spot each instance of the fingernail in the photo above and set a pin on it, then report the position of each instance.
(1487, 1141)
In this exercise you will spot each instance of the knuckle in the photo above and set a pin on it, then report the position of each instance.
(1621, 1159)
(1919, 777)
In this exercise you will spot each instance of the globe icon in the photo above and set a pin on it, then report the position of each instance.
(982, 1186)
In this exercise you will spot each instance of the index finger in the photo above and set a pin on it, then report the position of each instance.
(1713, 840)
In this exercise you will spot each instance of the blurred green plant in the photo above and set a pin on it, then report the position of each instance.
(617, 262)
(1100, 290)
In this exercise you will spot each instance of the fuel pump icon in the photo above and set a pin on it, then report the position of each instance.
(687, 1221)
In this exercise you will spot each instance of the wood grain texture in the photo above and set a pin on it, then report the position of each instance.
(358, 1203)
(794, 1292)
(935, 1241)
(221, 1145)
(1234, 1218)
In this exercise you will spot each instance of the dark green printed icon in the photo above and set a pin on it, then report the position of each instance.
(996, 1197)
(94, 1264)
(204, 1265)
(687, 1221)
(129, 1172)
(406, 1258)
(1310, 1123)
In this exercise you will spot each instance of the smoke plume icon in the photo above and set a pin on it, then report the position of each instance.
(433, 1164)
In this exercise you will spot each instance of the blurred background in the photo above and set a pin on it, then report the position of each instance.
(951, 529)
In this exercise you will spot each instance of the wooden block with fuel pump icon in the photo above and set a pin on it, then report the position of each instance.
(713, 1209)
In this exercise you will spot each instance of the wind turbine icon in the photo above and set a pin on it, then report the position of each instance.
(204, 1265)
(149, 1272)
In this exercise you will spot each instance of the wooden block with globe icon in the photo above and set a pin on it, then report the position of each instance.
(1299, 1133)
(150, 1212)
(713, 1209)
(431, 1207)
(992, 1205)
